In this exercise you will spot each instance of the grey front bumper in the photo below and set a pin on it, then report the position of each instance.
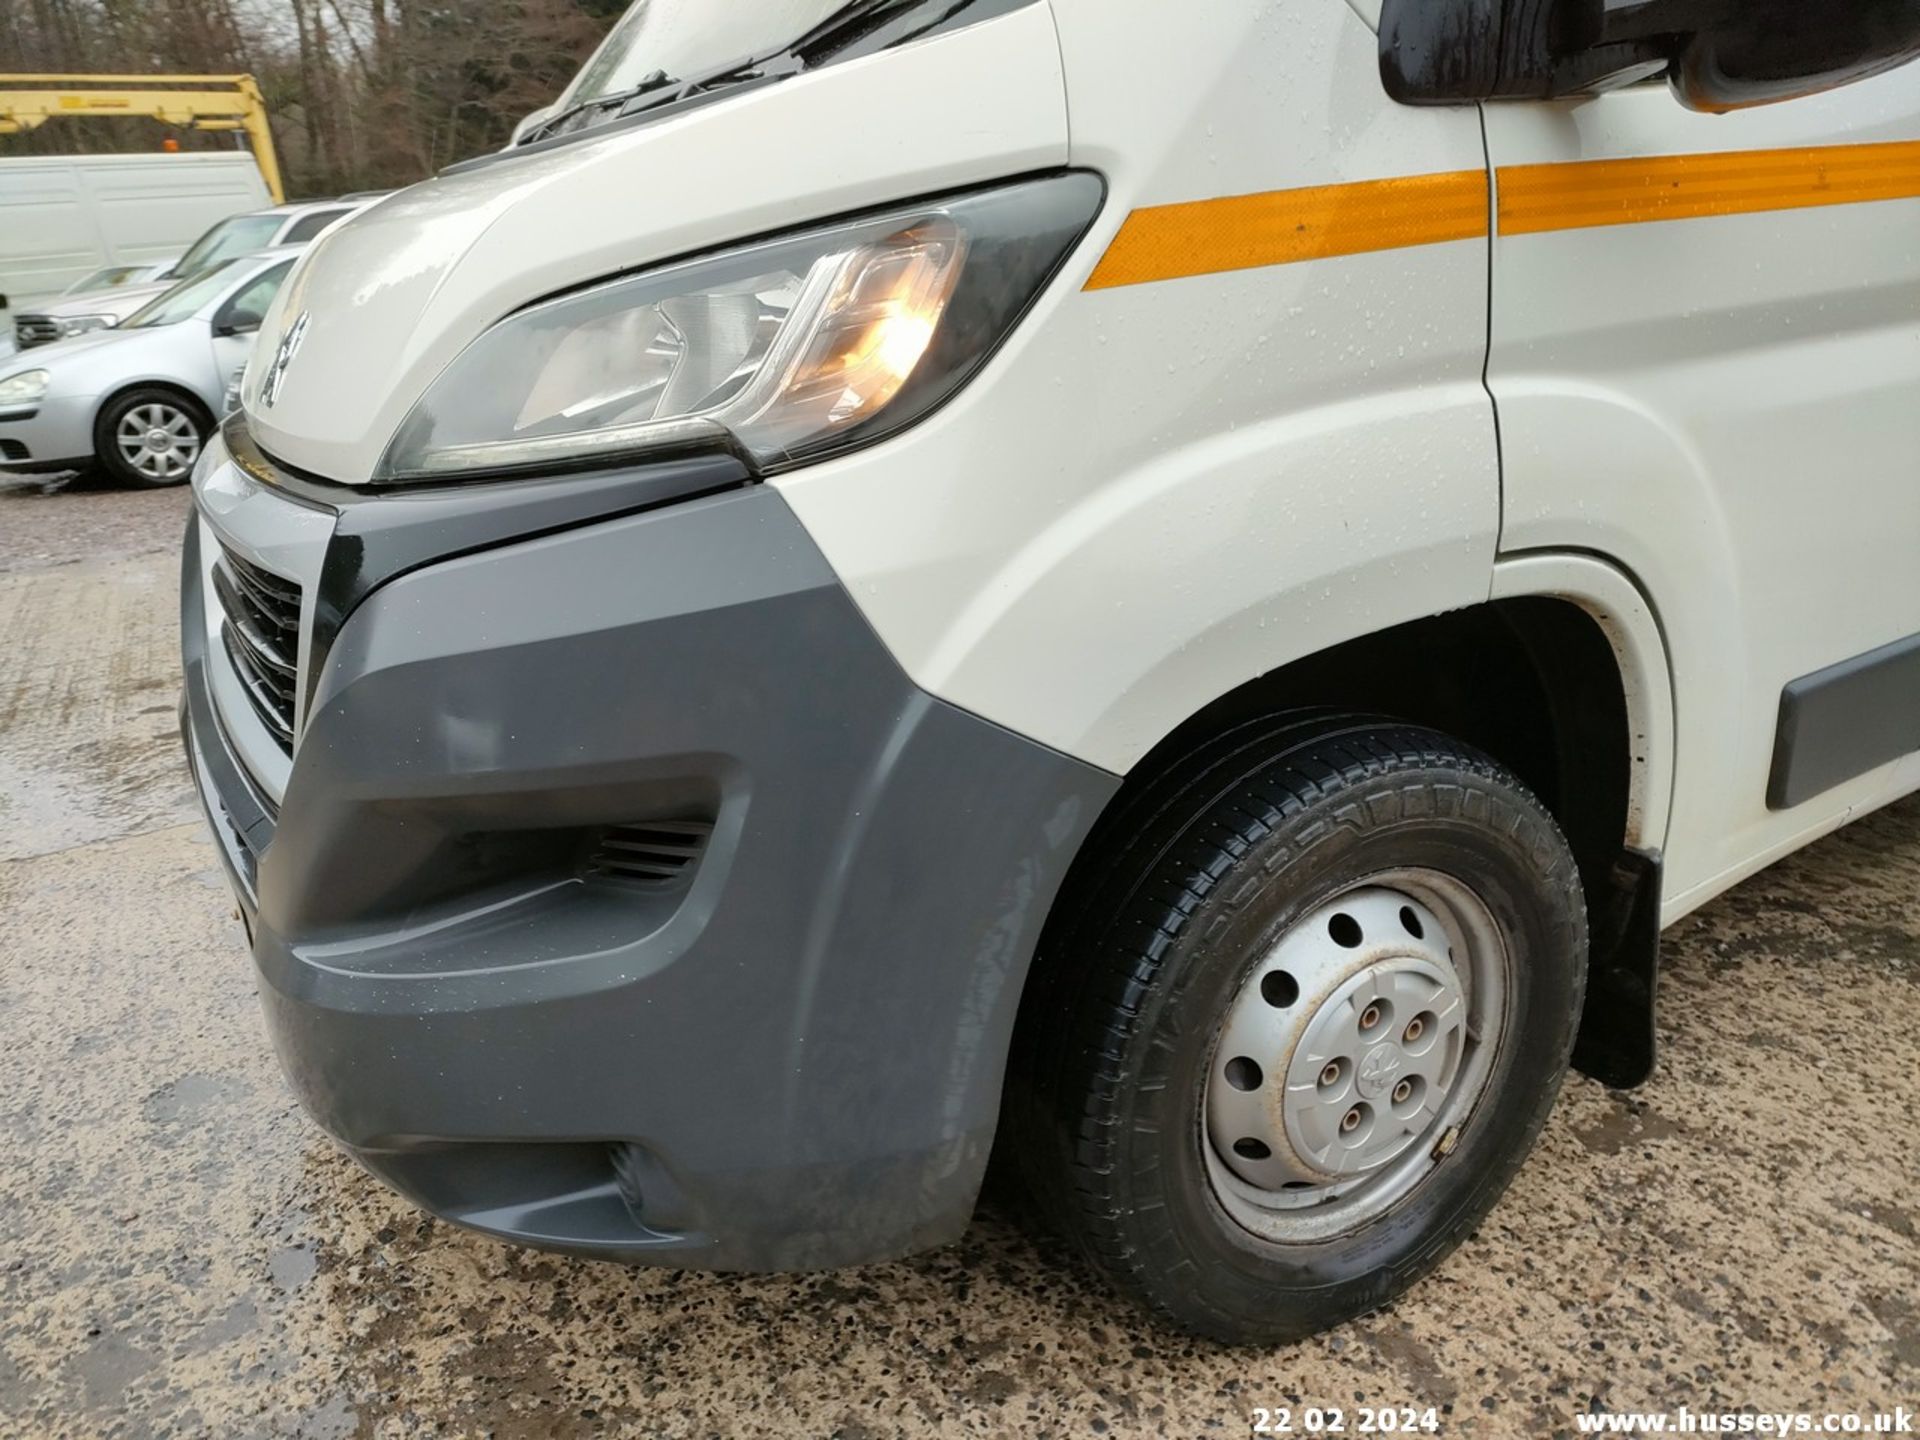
(53, 434)
(790, 1055)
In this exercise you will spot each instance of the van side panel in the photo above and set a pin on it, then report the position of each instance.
(1724, 404)
(1186, 474)
(67, 216)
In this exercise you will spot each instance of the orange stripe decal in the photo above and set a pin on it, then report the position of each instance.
(1278, 227)
(1317, 222)
(1573, 195)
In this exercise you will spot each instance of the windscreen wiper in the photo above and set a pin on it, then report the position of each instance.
(611, 100)
(853, 21)
(846, 26)
(750, 71)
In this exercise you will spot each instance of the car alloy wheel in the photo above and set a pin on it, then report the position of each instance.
(158, 441)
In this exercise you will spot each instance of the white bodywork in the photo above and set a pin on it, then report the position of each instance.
(1729, 408)
(62, 217)
(1156, 492)
(1164, 490)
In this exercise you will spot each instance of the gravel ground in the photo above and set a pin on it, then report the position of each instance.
(181, 1253)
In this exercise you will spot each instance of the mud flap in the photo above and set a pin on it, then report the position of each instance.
(1615, 1043)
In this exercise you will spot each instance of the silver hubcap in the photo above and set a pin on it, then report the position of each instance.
(158, 440)
(1352, 1055)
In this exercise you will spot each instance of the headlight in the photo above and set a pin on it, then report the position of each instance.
(81, 324)
(24, 388)
(785, 350)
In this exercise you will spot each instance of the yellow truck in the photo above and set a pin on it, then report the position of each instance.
(66, 216)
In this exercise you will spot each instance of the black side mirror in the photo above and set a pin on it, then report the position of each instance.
(241, 325)
(1718, 54)
(1787, 50)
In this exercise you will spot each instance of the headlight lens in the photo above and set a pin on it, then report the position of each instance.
(24, 388)
(82, 324)
(785, 350)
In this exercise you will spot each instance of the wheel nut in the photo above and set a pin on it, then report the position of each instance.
(1415, 1029)
(1369, 1017)
(1330, 1076)
(1350, 1121)
(1402, 1091)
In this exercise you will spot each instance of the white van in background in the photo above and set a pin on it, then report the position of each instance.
(63, 217)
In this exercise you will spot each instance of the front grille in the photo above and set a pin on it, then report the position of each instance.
(261, 633)
(32, 330)
(654, 852)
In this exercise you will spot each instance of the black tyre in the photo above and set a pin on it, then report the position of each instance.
(151, 436)
(1254, 1085)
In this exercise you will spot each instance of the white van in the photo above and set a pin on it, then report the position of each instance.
(64, 217)
(1180, 591)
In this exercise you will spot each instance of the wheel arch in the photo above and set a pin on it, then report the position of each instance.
(155, 382)
(1562, 675)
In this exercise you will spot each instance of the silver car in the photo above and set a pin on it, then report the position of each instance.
(141, 398)
(81, 314)
(113, 277)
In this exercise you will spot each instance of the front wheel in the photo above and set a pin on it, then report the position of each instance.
(150, 436)
(1306, 1024)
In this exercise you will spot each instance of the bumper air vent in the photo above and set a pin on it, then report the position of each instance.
(261, 632)
(657, 852)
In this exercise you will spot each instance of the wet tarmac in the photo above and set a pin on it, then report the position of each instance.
(181, 1253)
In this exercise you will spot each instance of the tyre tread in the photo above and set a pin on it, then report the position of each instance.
(1103, 973)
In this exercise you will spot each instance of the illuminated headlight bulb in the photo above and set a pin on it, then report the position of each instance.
(877, 322)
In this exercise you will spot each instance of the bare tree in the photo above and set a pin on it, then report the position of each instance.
(363, 94)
